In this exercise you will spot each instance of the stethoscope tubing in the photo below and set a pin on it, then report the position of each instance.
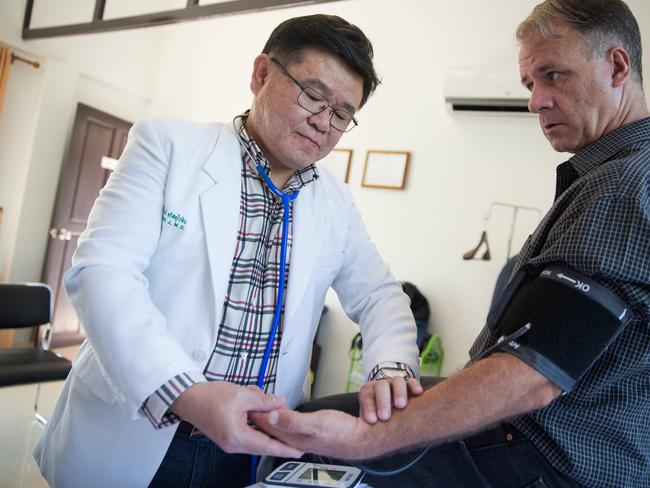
(286, 203)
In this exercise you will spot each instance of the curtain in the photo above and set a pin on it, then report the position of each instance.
(5, 62)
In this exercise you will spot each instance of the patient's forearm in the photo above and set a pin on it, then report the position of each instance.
(498, 387)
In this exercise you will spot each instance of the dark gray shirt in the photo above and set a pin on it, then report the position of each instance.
(599, 225)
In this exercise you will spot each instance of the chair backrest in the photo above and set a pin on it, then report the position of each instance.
(24, 305)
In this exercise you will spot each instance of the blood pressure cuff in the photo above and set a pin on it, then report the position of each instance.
(556, 321)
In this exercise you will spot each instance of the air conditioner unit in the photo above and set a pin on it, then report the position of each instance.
(473, 90)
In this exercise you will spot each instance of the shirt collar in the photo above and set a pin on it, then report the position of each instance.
(603, 149)
(565, 176)
(253, 155)
(622, 139)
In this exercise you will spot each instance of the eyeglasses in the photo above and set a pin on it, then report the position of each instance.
(315, 102)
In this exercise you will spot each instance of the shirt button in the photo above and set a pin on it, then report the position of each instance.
(199, 355)
(244, 355)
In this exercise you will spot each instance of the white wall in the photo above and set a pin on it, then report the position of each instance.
(113, 73)
(123, 60)
(17, 123)
(459, 163)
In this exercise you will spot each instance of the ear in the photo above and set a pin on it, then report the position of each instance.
(261, 68)
(620, 64)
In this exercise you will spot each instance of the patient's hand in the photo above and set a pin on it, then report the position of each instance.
(378, 397)
(325, 432)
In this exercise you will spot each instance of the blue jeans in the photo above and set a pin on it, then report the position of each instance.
(199, 463)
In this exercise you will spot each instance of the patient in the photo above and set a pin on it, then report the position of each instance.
(507, 420)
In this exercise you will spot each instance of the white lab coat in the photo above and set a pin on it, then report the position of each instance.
(150, 294)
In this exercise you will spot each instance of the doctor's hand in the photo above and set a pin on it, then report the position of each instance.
(378, 397)
(220, 410)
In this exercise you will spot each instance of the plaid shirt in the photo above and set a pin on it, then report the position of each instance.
(249, 305)
(599, 432)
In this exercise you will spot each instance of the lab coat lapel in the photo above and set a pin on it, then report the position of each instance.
(303, 253)
(220, 210)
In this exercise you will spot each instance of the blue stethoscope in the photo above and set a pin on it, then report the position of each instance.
(286, 202)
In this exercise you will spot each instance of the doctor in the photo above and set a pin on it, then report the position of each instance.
(180, 275)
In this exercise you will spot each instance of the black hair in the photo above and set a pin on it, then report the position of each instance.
(330, 34)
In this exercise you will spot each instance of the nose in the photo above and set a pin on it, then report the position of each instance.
(321, 121)
(539, 100)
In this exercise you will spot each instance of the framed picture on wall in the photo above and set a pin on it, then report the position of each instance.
(337, 162)
(386, 169)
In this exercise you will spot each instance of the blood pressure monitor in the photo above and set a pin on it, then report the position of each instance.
(296, 473)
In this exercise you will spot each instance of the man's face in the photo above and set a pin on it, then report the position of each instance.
(571, 93)
(291, 137)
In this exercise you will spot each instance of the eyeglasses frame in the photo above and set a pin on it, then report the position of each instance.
(333, 109)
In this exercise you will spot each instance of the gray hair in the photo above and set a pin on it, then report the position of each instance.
(602, 24)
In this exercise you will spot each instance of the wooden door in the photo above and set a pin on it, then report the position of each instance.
(95, 135)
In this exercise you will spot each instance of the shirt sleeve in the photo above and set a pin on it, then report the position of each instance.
(156, 406)
(608, 240)
(390, 365)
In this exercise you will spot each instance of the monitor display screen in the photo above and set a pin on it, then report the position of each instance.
(315, 474)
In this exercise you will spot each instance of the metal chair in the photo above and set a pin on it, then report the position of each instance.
(29, 305)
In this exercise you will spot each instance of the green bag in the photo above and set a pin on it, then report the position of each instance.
(356, 372)
(431, 357)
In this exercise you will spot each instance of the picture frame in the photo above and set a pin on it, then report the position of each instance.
(337, 162)
(386, 169)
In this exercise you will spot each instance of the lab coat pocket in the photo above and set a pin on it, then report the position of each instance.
(90, 374)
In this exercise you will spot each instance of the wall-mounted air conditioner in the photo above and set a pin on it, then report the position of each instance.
(474, 90)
